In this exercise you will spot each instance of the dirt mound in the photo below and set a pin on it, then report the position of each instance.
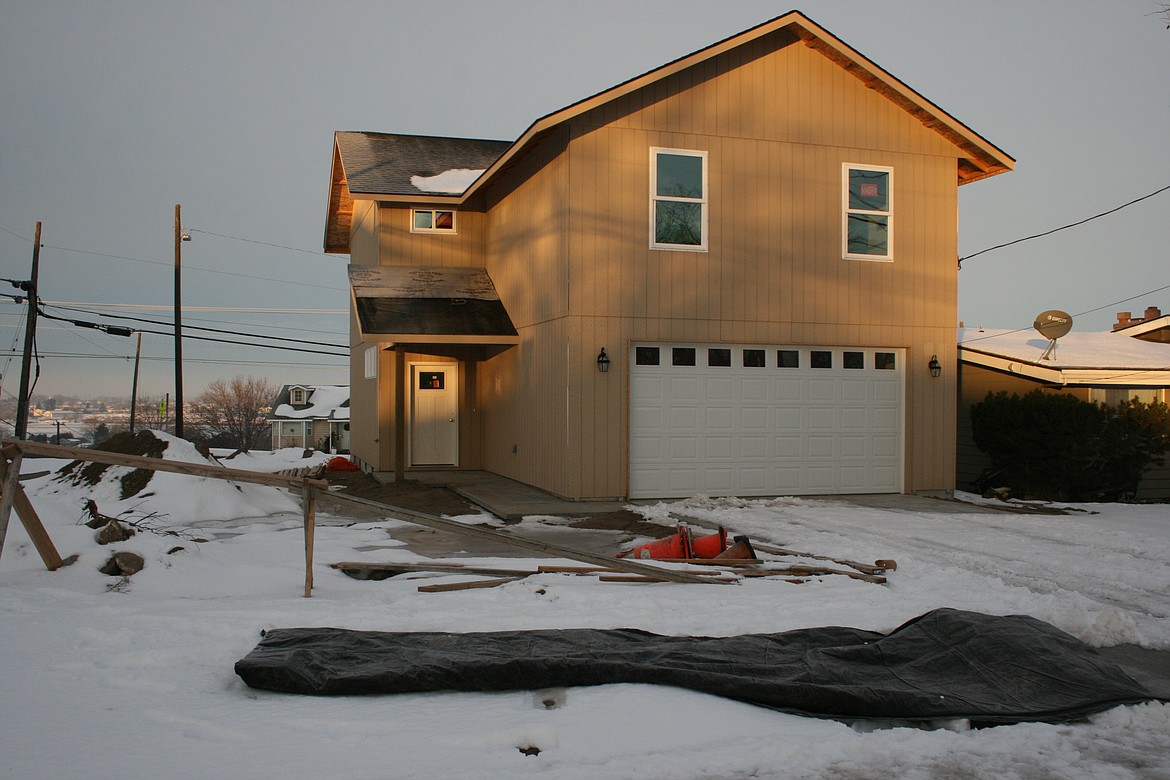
(144, 444)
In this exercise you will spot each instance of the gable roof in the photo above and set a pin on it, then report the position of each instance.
(1101, 359)
(324, 402)
(982, 158)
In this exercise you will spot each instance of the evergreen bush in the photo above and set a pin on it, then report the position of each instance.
(1058, 447)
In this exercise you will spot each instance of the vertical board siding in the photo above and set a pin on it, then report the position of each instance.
(565, 236)
(776, 131)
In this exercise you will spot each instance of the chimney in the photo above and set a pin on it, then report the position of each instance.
(1122, 319)
(1152, 313)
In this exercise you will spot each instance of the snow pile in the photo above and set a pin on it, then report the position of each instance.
(107, 676)
(451, 182)
(173, 499)
(271, 461)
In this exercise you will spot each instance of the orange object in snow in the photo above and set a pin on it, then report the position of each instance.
(676, 546)
(709, 546)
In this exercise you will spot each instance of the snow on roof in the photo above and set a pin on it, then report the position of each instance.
(324, 402)
(452, 182)
(1097, 358)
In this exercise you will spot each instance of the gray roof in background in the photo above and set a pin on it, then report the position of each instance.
(382, 163)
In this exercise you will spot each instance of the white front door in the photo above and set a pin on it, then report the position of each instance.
(434, 414)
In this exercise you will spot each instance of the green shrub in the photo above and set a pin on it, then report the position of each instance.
(1055, 446)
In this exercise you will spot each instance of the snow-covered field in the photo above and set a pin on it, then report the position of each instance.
(102, 677)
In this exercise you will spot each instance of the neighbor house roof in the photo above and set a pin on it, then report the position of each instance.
(981, 158)
(322, 402)
(1153, 329)
(1101, 359)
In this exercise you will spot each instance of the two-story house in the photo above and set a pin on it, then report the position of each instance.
(732, 275)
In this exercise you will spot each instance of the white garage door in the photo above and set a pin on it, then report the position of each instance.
(724, 420)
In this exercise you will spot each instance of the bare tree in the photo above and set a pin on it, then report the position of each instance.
(234, 411)
(151, 413)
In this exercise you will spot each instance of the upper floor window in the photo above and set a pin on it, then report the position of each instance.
(868, 217)
(678, 200)
(432, 221)
(296, 396)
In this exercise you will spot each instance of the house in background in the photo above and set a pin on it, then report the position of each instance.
(1153, 325)
(730, 275)
(1104, 367)
(311, 417)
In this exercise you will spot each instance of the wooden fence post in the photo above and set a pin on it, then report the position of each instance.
(15, 498)
(309, 500)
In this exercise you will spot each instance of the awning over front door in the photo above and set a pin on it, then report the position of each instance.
(425, 304)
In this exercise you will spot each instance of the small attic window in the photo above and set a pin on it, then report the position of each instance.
(432, 221)
(296, 396)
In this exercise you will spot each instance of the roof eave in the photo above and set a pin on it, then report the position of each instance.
(984, 158)
(1068, 376)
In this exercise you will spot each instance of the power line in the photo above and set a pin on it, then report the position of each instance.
(193, 327)
(1065, 227)
(1081, 314)
(168, 359)
(261, 243)
(195, 267)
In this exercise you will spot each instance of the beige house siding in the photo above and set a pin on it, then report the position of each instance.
(563, 231)
(773, 274)
(364, 393)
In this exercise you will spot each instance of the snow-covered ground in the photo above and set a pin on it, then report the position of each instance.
(102, 677)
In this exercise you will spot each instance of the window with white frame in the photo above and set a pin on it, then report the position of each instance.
(432, 221)
(296, 396)
(371, 358)
(867, 231)
(678, 200)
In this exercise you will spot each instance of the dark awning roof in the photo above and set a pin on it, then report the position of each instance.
(429, 305)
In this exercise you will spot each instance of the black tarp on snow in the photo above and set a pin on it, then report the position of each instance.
(942, 665)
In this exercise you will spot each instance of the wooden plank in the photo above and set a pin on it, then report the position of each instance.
(878, 567)
(10, 479)
(637, 578)
(449, 586)
(442, 524)
(159, 464)
(14, 495)
(441, 568)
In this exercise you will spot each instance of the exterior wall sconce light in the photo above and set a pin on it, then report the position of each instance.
(935, 366)
(603, 361)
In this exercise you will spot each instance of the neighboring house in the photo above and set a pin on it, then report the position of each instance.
(726, 276)
(311, 417)
(1153, 325)
(1105, 367)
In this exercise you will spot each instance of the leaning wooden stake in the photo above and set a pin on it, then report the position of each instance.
(15, 498)
(309, 499)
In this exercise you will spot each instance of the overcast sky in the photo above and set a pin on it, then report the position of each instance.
(113, 112)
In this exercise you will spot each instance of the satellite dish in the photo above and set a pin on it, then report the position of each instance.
(1053, 324)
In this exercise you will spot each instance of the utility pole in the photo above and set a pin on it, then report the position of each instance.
(179, 238)
(134, 385)
(30, 331)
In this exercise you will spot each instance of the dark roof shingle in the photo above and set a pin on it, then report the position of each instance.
(383, 163)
